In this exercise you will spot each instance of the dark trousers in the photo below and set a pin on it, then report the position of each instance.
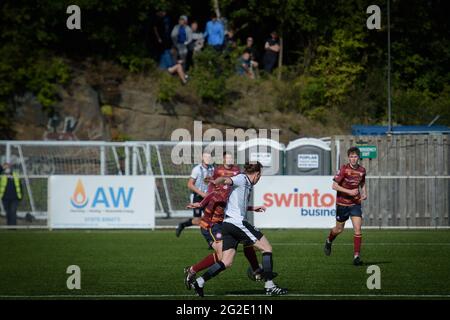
(197, 211)
(269, 62)
(10, 206)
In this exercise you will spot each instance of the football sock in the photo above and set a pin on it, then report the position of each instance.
(331, 236)
(250, 254)
(187, 223)
(357, 239)
(269, 284)
(267, 263)
(208, 261)
(201, 282)
(213, 271)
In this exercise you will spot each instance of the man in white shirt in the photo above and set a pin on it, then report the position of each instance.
(198, 185)
(236, 229)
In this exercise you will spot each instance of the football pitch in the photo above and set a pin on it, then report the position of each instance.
(414, 264)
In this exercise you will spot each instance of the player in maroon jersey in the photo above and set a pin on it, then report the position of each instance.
(211, 223)
(350, 184)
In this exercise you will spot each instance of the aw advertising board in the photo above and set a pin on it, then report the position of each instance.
(295, 202)
(101, 202)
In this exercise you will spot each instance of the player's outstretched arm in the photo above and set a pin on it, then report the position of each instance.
(201, 204)
(222, 180)
(194, 205)
(257, 208)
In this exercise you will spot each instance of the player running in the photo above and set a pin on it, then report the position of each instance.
(211, 223)
(198, 184)
(348, 181)
(236, 229)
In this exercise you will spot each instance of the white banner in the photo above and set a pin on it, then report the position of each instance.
(295, 202)
(101, 202)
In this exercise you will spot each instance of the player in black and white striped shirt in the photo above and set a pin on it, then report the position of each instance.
(236, 229)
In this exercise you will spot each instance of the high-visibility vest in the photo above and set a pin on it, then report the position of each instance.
(4, 182)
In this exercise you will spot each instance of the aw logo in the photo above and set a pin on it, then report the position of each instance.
(79, 199)
(105, 197)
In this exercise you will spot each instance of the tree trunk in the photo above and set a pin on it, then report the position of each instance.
(217, 8)
(280, 58)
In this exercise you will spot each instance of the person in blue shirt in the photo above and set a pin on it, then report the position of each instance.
(181, 37)
(215, 33)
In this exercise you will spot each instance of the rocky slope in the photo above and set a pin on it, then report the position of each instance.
(103, 103)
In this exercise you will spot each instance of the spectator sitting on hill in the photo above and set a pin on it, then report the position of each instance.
(168, 63)
(245, 65)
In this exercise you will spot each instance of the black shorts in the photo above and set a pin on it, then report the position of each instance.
(197, 211)
(213, 234)
(345, 212)
(233, 234)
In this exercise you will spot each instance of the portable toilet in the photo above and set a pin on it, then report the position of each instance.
(308, 156)
(268, 152)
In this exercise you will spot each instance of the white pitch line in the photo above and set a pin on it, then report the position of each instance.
(305, 295)
(365, 244)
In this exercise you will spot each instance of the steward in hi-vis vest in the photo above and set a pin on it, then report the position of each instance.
(10, 193)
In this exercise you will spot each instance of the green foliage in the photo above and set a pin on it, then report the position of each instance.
(312, 92)
(333, 61)
(121, 137)
(338, 65)
(107, 110)
(42, 79)
(415, 107)
(136, 64)
(209, 76)
(167, 88)
(318, 114)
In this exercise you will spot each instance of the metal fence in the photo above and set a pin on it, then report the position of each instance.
(408, 182)
(37, 160)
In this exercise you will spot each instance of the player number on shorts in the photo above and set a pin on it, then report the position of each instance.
(74, 280)
(374, 280)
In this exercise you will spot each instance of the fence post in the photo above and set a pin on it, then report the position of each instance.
(102, 160)
(149, 171)
(8, 152)
(127, 160)
(27, 181)
(134, 160)
(166, 189)
(337, 145)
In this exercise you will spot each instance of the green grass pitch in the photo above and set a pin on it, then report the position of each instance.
(415, 264)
